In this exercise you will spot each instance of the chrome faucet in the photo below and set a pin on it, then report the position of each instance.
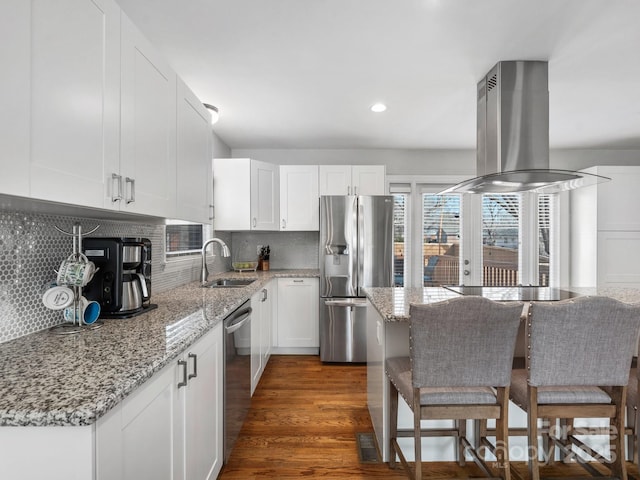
(204, 272)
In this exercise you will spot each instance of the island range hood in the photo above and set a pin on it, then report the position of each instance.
(513, 135)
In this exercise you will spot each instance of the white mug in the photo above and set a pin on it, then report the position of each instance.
(57, 297)
(76, 271)
(87, 312)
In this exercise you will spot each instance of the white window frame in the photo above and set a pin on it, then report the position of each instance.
(471, 261)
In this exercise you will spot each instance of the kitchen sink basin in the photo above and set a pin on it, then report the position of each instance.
(230, 282)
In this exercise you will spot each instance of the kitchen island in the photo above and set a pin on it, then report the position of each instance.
(54, 389)
(388, 323)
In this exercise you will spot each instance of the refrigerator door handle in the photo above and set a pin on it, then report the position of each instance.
(345, 303)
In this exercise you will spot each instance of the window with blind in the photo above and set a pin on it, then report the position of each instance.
(399, 238)
(545, 243)
(184, 239)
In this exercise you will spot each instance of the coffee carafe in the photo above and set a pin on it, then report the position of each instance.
(123, 286)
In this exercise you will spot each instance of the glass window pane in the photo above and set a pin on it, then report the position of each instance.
(544, 239)
(440, 239)
(500, 239)
(184, 238)
(399, 231)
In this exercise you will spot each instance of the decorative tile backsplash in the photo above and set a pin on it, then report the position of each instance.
(288, 249)
(31, 248)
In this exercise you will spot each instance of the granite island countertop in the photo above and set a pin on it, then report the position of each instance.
(393, 303)
(72, 380)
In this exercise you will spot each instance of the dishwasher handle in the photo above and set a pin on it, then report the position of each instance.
(238, 322)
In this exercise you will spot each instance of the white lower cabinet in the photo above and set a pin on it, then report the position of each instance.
(172, 427)
(261, 327)
(297, 326)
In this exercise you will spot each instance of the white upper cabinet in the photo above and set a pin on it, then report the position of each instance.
(75, 99)
(148, 129)
(265, 196)
(194, 146)
(367, 179)
(245, 194)
(335, 179)
(352, 180)
(605, 230)
(299, 200)
(15, 37)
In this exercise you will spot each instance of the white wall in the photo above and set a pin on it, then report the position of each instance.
(398, 162)
(583, 158)
(429, 162)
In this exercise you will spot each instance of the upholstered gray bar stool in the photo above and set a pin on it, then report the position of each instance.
(459, 368)
(579, 357)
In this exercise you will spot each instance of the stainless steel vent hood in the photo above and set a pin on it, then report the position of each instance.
(513, 134)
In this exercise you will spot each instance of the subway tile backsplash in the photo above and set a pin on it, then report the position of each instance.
(31, 248)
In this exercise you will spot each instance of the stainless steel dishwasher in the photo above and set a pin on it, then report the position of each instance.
(237, 373)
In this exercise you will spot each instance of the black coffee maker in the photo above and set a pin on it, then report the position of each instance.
(122, 284)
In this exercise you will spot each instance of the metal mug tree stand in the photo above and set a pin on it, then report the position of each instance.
(77, 324)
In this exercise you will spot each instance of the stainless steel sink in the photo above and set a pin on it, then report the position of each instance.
(230, 283)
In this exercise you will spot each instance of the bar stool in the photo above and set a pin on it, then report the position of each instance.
(576, 348)
(458, 368)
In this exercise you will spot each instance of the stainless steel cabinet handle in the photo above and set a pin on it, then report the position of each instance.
(183, 364)
(355, 190)
(255, 222)
(213, 212)
(132, 190)
(349, 190)
(116, 185)
(265, 295)
(284, 223)
(195, 366)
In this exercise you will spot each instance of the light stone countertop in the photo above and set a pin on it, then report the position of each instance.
(72, 380)
(393, 303)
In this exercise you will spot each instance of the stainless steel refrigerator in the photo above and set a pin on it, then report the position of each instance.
(356, 250)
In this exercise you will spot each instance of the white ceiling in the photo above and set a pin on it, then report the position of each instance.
(303, 73)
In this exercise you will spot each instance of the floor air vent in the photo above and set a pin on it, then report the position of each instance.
(367, 448)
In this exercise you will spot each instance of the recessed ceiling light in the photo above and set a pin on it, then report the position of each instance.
(378, 107)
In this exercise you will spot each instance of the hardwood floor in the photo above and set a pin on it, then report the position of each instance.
(303, 422)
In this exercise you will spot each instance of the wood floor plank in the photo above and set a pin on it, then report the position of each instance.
(303, 422)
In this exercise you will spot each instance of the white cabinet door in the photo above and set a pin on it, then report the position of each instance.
(75, 102)
(352, 180)
(335, 180)
(266, 332)
(194, 144)
(618, 199)
(232, 193)
(298, 312)
(15, 55)
(367, 179)
(148, 127)
(256, 339)
(143, 436)
(245, 194)
(265, 196)
(203, 408)
(299, 200)
(261, 318)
